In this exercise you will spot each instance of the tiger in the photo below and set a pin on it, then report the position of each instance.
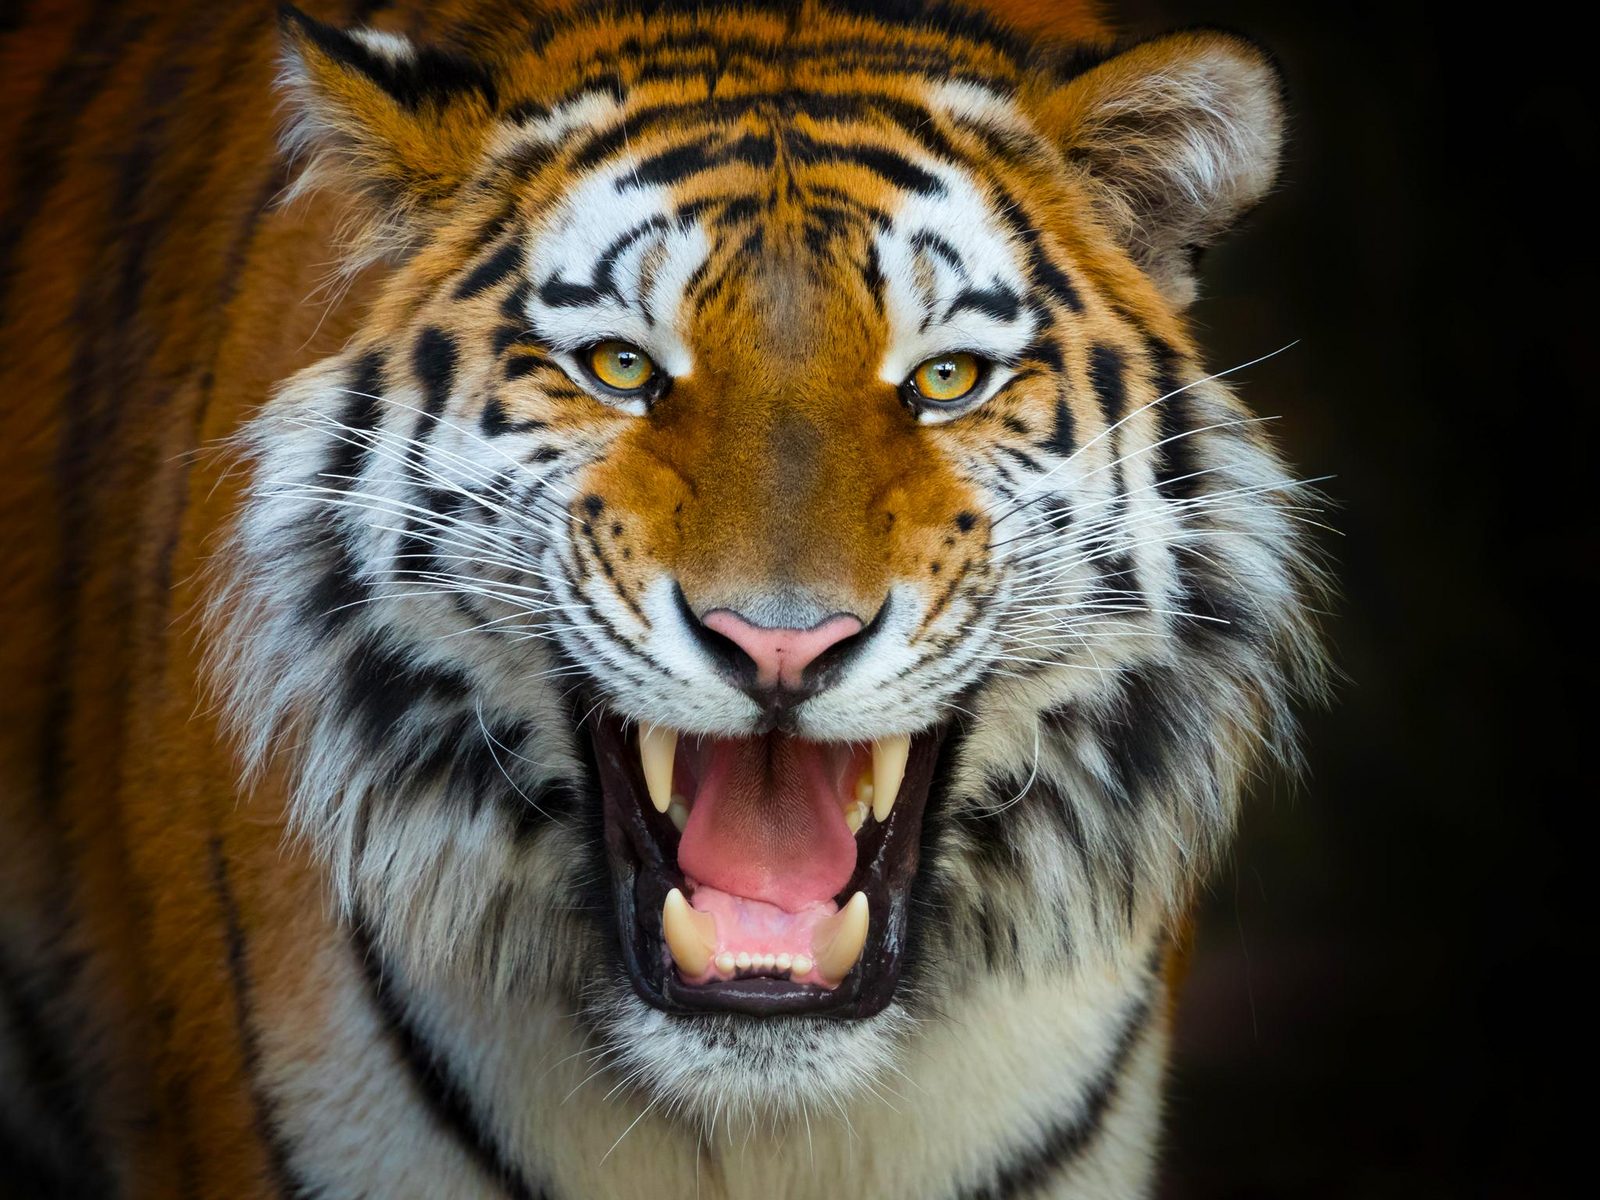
(629, 599)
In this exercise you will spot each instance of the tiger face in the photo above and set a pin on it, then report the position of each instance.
(771, 558)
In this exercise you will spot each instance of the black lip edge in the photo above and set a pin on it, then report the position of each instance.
(641, 876)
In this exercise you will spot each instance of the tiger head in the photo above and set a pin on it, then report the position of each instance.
(770, 556)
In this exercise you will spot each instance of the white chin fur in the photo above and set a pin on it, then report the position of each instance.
(732, 1070)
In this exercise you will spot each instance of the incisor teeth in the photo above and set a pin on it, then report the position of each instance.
(839, 941)
(889, 756)
(658, 746)
(691, 936)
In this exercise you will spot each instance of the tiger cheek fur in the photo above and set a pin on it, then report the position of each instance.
(659, 745)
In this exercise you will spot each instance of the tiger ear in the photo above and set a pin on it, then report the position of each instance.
(1178, 137)
(395, 125)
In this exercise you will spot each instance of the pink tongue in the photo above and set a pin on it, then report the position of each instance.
(767, 824)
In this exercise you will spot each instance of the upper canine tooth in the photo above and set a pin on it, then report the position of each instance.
(658, 746)
(691, 936)
(679, 813)
(889, 756)
(838, 941)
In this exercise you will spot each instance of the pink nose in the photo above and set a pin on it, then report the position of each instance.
(780, 655)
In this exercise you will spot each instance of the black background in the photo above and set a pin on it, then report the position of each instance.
(1385, 998)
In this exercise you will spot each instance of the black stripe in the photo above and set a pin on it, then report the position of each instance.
(464, 758)
(872, 276)
(233, 267)
(1021, 458)
(1067, 1140)
(1062, 437)
(678, 163)
(1178, 461)
(891, 165)
(1119, 578)
(361, 414)
(910, 119)
(926, 239)
(1105, 377)
(507, 336)
(382, 684)
(496, 422)
(515, 306)
(286, 1181)
(49, 1080)
(434, 359)
(605, 267)
(436, 1082)
(1218, 609)
(492, 270)
(864, 209)
(557, 293)
(999, 302)
(1047, 278)
(50, 130)
(527, 364)
(953, 20)
(335, 597)
(1153, 732)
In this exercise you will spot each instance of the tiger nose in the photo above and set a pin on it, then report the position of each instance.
(781, 655)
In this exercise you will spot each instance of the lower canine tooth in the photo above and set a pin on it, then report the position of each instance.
(658, 746)
(678, 811)
(839, 940)
(889, 756)
(854, 816)
(691, 936)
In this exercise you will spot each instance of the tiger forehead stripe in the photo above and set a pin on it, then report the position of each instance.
(686, 49)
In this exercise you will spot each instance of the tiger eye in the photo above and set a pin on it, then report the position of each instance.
(947, 377)
(621, 366)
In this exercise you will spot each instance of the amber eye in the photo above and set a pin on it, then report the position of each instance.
(946, 378)
(621, 366)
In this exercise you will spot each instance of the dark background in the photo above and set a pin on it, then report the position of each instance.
(1385, 1000)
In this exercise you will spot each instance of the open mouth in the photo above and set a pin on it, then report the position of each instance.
(763, 874)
